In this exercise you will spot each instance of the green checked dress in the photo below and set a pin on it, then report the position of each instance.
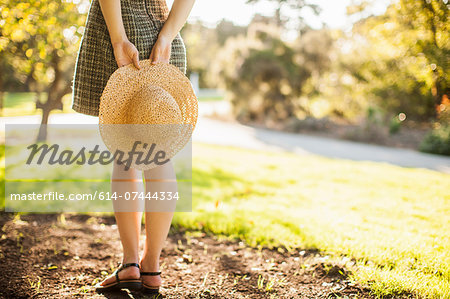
(142, 20)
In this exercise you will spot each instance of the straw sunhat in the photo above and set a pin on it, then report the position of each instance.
(153, 105)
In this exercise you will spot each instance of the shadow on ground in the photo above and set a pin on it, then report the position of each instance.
(49, 256)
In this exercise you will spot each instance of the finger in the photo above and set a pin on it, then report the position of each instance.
(151, 56)
(155, 58)
(119, 63)
(136, 60)
(167, 56)
(164, 58)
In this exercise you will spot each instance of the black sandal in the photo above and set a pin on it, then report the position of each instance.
(148, 288)
(131, 284)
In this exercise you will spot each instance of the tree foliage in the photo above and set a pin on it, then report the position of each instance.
(39, 39)
(401, 58)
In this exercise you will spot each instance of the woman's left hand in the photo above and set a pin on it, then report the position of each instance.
(161, 50)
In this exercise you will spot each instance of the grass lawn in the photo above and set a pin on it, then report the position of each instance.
(23, 103)
(210, 99)
(19, 103)
(391, 222)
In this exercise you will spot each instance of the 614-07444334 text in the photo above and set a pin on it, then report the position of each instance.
(53, 195)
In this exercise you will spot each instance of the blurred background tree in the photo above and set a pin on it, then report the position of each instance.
(282, 19)
(39, 41)
(384, 73)
(260, 73)
(265, 75)
(203, 44)
(400, 58)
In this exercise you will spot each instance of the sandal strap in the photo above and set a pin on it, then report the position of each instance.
(116, 273)
(151, 273)
(123, 266)
(130, 265)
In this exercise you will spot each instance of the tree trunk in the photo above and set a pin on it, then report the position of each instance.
(42, 136)
(2, 97)
(278, 16)
(54, 97)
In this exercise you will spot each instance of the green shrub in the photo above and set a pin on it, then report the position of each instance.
(264, 74)
(394, 126)
(437, 141)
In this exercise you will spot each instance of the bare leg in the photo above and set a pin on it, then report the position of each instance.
(128, 223)
(157, 224)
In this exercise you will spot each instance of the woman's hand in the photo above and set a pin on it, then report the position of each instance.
(125, 53)
(176, 19)
(161, 50)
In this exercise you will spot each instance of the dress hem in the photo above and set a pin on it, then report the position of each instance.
(82, 110)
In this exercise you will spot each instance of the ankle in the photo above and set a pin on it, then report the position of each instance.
(149, 265)
(130, 259)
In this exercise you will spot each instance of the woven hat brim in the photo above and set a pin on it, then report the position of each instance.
(119, 91)
(126, 80)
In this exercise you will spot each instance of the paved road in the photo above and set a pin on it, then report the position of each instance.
(227, 133)
(256, 138)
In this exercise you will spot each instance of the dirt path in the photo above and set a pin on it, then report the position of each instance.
(44, 256)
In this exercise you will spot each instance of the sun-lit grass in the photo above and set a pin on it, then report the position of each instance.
(23, 103)
(19, 103)
(210, 98)
(392, 221)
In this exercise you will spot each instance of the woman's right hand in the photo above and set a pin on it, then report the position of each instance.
(125, 53)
